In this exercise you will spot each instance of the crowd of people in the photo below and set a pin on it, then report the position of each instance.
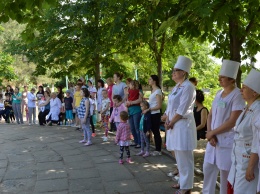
(231, 126)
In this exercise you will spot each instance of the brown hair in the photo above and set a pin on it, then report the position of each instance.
(129, 79)
(145, 103)
(117, 97)
(135, 83)
(119, 75)
(124, 116)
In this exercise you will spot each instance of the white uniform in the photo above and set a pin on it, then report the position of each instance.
(242, 148)
(219, 157)
(55, 106)
(182, 138)
(256, 142)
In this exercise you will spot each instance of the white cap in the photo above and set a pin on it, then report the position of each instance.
(253, 80)
(183, 63)
(229, 68)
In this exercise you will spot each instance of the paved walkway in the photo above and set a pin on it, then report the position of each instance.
(36, 159)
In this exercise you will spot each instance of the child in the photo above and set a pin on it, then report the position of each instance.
(92, 112)
(68, 100)
(145, 126)
(42, 101)
(105, 112)
(115, 116)
(83, 112)
(133, 93)
(123, 137)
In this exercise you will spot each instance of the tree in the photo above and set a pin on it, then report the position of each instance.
(231, 26)
(72, 38)
(138, 21)
(6, 71)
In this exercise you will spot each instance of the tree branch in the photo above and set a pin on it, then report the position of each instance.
(249, 26)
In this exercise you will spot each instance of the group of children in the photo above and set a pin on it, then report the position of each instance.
(119, 116)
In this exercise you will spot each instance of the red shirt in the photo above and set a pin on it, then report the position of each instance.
(133, 94)
(109, 92)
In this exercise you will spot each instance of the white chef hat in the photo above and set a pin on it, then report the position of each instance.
(229, 68)
(253, 80)
(183, 63)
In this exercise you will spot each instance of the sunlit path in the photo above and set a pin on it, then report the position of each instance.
(37, 159)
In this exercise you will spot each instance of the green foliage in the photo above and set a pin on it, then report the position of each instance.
(232, 27)
(6, 71)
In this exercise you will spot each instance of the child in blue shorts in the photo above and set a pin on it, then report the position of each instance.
(68, 100)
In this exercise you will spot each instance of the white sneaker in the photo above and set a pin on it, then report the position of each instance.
(105, 139)
(156, 153)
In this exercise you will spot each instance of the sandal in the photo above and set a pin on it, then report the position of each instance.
(175, 172)
(176, 186)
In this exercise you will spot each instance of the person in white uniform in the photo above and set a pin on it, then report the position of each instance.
(226, 108)
(243, 140)
(55, 108)
(180, 124)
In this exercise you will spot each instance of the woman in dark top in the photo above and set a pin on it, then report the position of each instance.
(42, 114)
(9, 91)
(200, 115)
(40, 93)
(60, 94)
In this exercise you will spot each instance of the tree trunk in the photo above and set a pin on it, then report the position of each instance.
(97, 69)
(159, 69)
(235, 47)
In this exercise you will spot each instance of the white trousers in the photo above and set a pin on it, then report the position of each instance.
(185, 162)
(210, 172)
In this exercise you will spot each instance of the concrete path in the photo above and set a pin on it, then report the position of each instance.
(36, 159)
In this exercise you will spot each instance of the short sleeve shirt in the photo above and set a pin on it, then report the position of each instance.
(105, 103)
(15, 99)
(153, 100)
(77, 98)
(118, 89)
(68, 103)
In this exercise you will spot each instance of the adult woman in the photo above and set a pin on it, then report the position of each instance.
(60, 94)
(226, 107)
(42, 114)
(101, 85)
(180, 123)
(32, 106)
(55, 108)
(110, 85)
(119, 87)
(200, 115)
(84, 116)
(243, 149)
(92, 89)
(134, 110)
(16, 104)
(155, 101)
(24, 99)
(9, 91)
(40, 93)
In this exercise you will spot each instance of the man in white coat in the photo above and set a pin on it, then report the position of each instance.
(226, 108)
